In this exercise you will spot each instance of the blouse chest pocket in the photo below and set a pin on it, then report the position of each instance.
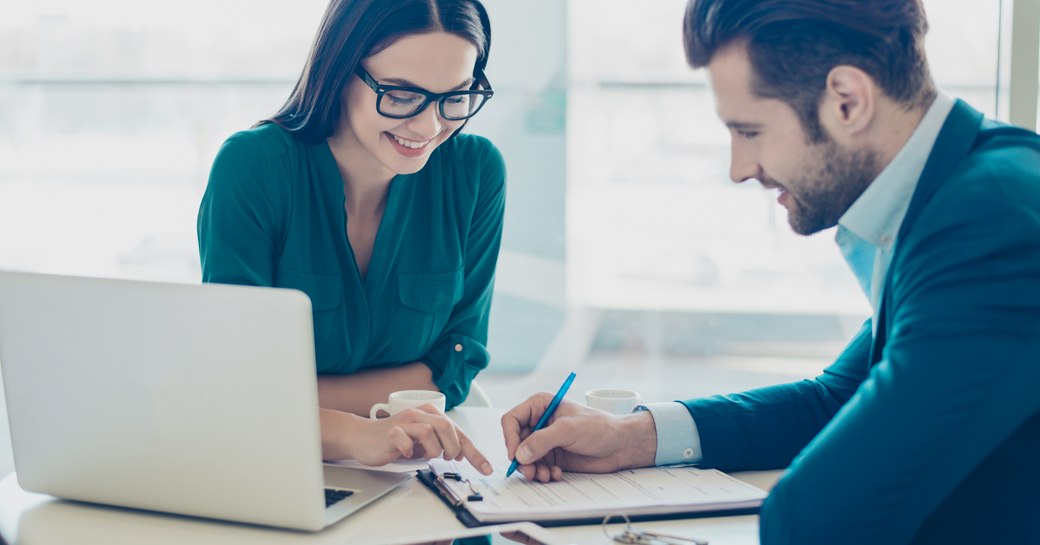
(427, 300)
(326, 294)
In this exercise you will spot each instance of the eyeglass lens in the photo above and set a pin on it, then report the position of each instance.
(401, 103)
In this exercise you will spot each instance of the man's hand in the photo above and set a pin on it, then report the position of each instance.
(576, 439)
(421, 432)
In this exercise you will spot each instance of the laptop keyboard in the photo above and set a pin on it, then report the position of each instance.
(333, 496)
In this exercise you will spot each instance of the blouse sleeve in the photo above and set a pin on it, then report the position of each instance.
(237, 219)
(461, 350)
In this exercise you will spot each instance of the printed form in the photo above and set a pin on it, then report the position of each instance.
(659, 490)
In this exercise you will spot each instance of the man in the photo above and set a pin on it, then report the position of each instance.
(926, 429)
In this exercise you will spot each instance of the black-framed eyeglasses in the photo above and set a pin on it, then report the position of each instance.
(400, 102)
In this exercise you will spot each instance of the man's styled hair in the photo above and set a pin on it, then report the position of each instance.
(793, 45)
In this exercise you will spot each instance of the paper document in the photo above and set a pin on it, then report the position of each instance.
(661, 490)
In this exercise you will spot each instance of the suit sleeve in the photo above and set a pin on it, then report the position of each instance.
(767, 427)
(958, 376)
(461, 350)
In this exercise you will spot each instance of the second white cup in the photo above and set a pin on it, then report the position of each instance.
(406, 399)
(613, 400)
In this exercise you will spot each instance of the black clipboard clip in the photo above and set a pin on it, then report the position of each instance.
(448, 493)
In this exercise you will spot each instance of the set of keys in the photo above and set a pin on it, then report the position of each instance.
(638, 536)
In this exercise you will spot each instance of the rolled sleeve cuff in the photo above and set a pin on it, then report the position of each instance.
(677, 439)
(455, 361)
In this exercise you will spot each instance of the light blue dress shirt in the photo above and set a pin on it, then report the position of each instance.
(866, 235)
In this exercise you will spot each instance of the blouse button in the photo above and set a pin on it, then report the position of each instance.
(687, 453)
(458, 348)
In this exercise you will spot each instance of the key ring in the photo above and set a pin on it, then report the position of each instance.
(636, 536)
(617, 538)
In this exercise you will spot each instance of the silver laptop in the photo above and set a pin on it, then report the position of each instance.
(188, 399)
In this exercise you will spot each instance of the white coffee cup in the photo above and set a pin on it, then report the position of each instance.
(613, 400)
(406, 399)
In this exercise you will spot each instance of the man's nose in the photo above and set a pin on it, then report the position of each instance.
(743, 167)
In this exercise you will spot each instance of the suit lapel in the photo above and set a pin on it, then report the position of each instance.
(953, 144)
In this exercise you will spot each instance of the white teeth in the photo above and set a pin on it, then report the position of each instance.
(409, 143)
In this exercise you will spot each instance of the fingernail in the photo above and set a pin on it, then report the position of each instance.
(486, 468)
(523, 454)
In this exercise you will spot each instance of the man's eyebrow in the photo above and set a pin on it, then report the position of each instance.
(405, 83)
(743, 125)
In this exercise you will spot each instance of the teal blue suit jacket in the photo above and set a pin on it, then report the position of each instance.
(928, 432)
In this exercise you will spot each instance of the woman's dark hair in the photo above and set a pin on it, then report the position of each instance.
(793, 45)
(352, 30)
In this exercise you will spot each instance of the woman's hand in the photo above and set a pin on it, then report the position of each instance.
(418, 433)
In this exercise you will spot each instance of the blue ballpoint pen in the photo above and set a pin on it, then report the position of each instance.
(546, 415)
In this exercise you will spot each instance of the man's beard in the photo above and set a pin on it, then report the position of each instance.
(825, 193)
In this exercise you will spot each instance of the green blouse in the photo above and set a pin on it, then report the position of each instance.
(273, 215)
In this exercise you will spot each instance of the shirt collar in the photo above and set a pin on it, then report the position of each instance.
(878, 213)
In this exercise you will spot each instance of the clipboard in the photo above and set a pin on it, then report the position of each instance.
(452, 500)
(456, 491)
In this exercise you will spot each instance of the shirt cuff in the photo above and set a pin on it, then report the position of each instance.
(677, 439)
(454, 361)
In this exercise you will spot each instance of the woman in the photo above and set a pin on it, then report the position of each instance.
(362, 193)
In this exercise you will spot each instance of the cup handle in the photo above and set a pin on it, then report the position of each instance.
(639, 401)
(374, 413)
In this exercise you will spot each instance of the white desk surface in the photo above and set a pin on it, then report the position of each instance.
(409, 514)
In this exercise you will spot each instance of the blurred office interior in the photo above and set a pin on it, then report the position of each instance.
(628, 255)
